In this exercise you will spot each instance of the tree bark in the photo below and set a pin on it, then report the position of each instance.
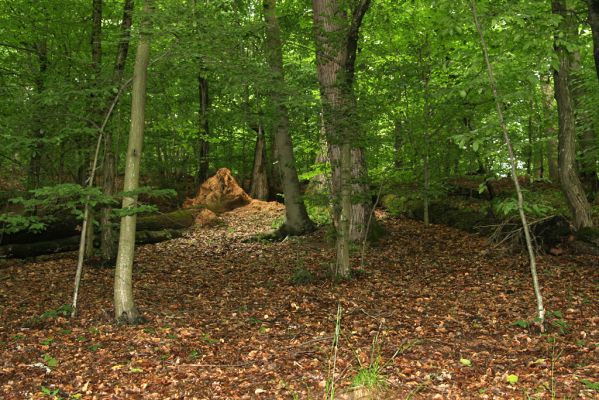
(297, 221)
(549, 132)
(594, 23)
(124, 306)
(35, 162)
(336, 35)
(204, 131)
(570, 183)
(259, 185)
(107, 242)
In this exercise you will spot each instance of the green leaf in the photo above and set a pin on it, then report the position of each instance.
(521, 323)
(590, 385)
(465, 362)
(512, 379)
(50, 361)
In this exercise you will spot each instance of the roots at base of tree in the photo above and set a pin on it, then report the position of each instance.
(132, 317)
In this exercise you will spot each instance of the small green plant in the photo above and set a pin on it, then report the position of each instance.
(556, 320)
(590, 385)
(47, 341)
(95, 347)
(194, 354)
(50, 361)
(53, 393)
(206, 337)
(330, 381)
(62, 311)
(301, 276)
(466, 362)
(371, 376)
(522, 323)
(512, 379)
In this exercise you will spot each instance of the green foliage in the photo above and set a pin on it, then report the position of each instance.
(63, 311)
(509, 207)
(590, 385)
(370, 377)
(466, 362)
(50, 361)
(522, 323)
(302, 276)
(556, 320)
(319, 214)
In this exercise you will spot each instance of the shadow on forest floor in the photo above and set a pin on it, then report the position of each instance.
(446, 314)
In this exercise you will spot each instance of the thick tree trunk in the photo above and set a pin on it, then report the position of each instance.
(259, 185)
(107, 242)
(336, 36)
(594, 22)
(204, 131)
(124, 307)
(297, 221)
(570, 183)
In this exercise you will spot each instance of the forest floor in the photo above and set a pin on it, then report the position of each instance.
(435, 314)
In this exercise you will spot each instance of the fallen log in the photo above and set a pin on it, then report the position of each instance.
(24, 250)
(69, 226)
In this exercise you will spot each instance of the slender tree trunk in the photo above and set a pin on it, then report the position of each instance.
(108, 249)
(35, 163)
(549, 132)
(95, 107)
(570, 183)
(124, 307)
(397, 144)
(259, 185)
(594, 22)
(531, 254)
(204, 131)
(297, 221)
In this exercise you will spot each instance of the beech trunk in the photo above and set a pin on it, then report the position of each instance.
(569, 180)
(124, 306)
(297, 221)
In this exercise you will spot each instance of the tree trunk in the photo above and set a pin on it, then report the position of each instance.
(107, 234)
(124, 307)
(35, 163)
(397, 144)
(107, 240)
(297, 221)
(570, 183)
(594, 22)
(259, 186)
(204, 131)
(336, 36)
(549, 132)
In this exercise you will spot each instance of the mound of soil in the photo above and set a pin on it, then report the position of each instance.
(219, 193)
